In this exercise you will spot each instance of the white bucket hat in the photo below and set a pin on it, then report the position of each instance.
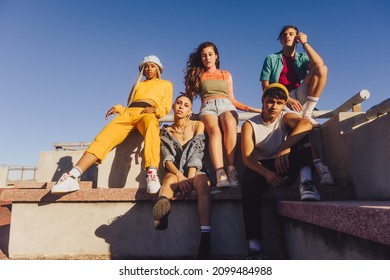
(151, 58)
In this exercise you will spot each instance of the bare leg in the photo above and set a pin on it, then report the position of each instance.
(229, 127)
(215, 140)
(201, 185)
(86, 161)
(316, 80)
(169, 186)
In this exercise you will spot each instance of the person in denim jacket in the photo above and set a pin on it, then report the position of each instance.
(182, 150)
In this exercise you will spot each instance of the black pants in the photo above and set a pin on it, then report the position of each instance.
(253, 184)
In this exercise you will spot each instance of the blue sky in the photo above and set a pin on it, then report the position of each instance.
(63, 64)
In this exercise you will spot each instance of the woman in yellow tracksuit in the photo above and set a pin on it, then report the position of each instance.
(148, 101)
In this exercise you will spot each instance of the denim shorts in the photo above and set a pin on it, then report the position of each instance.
(216, 107)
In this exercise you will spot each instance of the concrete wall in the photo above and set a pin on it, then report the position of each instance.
(3, 177)
(52, 164)
(357, 152)
(122, 168)
(308, 242)
(120, 230)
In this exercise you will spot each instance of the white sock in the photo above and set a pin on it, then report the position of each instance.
(255, 244)
(205, 228)
(318, 163)
(305, 174)
(151, 168)
(75, 172)
(311, 103)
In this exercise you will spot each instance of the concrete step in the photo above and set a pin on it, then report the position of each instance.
(5, 221)
(40, 192)
(5, 213)
(364, 219)
(336, 230)
(95, 223)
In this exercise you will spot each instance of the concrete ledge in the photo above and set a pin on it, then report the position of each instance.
(112, 223)
(5, 213)
(364, 219)
(40, 192)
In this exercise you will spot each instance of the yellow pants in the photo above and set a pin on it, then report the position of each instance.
(120, 127)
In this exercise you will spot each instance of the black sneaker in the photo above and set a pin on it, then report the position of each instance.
(254, 255)
(204, 246)
(309, 191)
(160, 212)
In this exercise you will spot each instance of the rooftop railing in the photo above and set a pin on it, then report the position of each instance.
(354, 104)
(20, 173)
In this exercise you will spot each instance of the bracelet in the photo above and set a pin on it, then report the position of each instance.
(305, 43)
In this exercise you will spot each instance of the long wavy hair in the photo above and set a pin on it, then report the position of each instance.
(195, 69)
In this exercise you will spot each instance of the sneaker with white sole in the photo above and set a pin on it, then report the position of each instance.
(152, 181)
(67, 183)
(233, 178)
(325, 176)
(160, 212)
(222, 179)
(308, 191)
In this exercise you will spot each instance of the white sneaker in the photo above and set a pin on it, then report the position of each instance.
(309, 191)
(233, 178)
(152, 182)
(67, 183)
(325, 177)
(222, 179)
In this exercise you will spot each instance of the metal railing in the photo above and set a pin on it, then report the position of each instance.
(21, 173)
(71, 146)
(354, 104)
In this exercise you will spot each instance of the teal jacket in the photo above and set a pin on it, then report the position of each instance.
(273, 65)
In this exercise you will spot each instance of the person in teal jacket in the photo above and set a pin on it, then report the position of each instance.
(304, 74)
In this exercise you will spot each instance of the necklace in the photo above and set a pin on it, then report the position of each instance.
(182, 130)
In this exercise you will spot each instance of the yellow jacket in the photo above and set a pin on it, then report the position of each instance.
(160, 91)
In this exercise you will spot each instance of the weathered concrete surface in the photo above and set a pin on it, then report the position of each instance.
(119, 230)
(3, 177)
(357, 152)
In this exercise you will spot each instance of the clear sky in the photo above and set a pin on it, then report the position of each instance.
(63, 64)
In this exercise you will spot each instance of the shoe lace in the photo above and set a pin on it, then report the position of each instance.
(222, 176)
(152, 176)
(308, 186)
(64, 176)
(232, 175)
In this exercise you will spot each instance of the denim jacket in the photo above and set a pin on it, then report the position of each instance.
(184, 157)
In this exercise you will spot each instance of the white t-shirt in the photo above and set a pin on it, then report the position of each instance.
(268, 137)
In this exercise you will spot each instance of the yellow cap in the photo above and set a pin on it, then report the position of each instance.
(277, 85)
